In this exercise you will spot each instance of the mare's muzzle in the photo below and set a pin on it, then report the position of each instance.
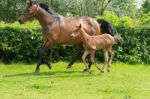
(21, 21)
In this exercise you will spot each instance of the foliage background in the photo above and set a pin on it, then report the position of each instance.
(22, 42)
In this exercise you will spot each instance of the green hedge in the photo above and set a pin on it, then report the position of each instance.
(136, 47)
(22, 43)
(19, 42)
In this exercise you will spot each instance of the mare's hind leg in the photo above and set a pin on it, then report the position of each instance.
(110, 59)
(92, 56)
(105, 60)
(48, 58)
(77, 55)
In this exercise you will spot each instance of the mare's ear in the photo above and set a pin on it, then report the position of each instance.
(30, 2)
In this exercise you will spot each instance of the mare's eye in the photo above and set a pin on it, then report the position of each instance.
(28, 10)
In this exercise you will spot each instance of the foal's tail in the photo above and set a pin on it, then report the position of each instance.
(106, 27)
(118, 39)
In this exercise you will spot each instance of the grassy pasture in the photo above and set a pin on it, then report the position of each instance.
(18, 81)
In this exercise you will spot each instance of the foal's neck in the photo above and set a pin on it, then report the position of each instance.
(85, 36)
(44, 17)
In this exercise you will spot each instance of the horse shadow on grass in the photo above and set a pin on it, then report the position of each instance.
(53, 74)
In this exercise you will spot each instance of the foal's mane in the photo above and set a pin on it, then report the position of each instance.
(47, 8)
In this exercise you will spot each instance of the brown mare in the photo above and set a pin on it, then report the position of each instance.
(95, 42)
(56, 29)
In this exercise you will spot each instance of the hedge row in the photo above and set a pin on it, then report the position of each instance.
(18, 43)
(22, 43)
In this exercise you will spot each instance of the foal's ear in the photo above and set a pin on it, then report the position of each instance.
(80, 26)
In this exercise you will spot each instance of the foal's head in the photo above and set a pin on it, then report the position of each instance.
(29, 12)
(79, 29)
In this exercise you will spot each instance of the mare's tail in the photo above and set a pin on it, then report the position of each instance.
(106, 27)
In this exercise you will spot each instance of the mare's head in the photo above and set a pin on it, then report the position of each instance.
(29, 12)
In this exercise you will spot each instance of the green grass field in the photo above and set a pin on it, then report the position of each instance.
(18, 81)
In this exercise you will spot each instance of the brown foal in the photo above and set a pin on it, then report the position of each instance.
(93, 43)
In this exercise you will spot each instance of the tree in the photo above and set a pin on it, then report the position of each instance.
(146, 6)
(11, 9)
(102, 4)
(145, 15)
(122, 7)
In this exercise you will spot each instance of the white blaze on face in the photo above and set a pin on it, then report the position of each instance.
(73, 35)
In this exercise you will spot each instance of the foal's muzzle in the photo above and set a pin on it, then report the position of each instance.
(72, 35)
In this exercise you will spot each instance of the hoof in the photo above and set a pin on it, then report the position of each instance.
(37, 70)
(90, 72)
(85, 70)
(102, 71)
(49, 67)
(68, 67)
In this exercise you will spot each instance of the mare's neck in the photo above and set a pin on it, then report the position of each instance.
(44, 17)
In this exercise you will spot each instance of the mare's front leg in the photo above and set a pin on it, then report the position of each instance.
(43, 57)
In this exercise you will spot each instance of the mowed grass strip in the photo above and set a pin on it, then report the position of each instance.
(18, 81)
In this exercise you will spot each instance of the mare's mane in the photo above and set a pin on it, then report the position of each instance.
(47, 8)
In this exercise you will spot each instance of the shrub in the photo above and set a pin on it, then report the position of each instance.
(22, 43)
(135, 48)
(19, 42)
(111, 17)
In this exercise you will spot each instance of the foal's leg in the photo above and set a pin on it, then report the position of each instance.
(89, 65)
(83, 59)
(77, 55)
(110, 59)
(92, 56)
(105, 60)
